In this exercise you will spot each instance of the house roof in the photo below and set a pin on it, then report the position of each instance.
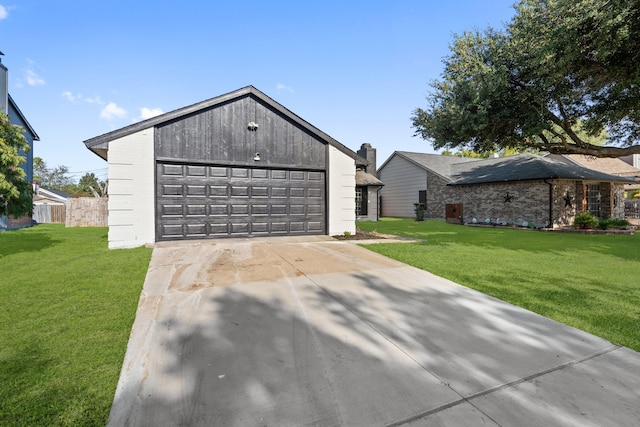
(28, 126)
(58, 195)
(364, 179)
(610, 165)
(524, 167)
(436, 163)
(521, 167)
(100, 144)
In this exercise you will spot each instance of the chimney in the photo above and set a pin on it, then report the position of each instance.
(368, 153)
(4, 87)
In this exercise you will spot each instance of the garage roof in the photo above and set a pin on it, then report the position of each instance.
(100, 144)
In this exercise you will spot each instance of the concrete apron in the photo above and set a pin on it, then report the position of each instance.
(311, 331)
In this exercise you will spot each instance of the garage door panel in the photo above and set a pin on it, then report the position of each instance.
(196, 210)
(195, 201)
(219, 210)
(239, 190)
(315, 193)
(239, 173)
(172, 230)
(218, 190)
(259, 210)
(259, 227)
(196, 190)
(218, 171)
(259, 191)
(278, 192)
(315, 226)
(279, 174)
(171, 190)
(239, 209)
(172, 170)
(196, 171)
(197, 230)
(219, 229)
(257, 174)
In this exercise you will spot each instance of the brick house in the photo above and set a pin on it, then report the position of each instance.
(524, 189)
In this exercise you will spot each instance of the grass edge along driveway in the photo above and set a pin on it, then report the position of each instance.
(590, 282)
(68, 303)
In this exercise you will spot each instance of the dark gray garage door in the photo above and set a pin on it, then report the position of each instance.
(197, 201)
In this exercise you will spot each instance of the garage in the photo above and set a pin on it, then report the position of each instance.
(199, 201)
(237, 165)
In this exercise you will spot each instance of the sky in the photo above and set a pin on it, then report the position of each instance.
(354, 69)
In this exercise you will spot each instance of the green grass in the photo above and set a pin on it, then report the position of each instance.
(591, 282)
(68, 304)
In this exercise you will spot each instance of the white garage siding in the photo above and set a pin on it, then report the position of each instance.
(131, 190)
(402, 182)
(342, 193)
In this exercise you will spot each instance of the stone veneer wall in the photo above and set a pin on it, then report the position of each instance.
(528, 201)
(438, 195)
(511, 202)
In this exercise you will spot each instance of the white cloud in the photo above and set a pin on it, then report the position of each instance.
(33, 79)
(281, 86)
(147, 113)
(71, 97)
(112, 111)
(95, 100)
(3, 12)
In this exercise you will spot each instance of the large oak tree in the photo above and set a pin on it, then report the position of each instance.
(559, 76)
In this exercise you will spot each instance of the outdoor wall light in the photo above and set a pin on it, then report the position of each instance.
(252, 126)
(256, 157)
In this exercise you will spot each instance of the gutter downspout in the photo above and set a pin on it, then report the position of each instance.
(550, 202)
(378, 205)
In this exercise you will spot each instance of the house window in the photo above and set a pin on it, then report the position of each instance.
(361, 201)
(422, 197)
(593, 199)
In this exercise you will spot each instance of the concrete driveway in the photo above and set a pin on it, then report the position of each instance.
(316, 332)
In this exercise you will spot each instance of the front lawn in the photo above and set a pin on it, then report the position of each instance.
(591, 282)
(68, 304)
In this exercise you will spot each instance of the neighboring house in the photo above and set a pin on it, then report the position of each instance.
(367, 186)
(236, 165)
(524, 189)
(610, 165)
(9, 106)
(407, 176)
(49, 205)
(633, 160)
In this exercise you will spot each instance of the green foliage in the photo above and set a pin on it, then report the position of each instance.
(554, 79)
(347, 234)
(89, 185)
(587, 281)
(68, 306)
(15, 190)
(418, 208)
(585, 220)
(52, 179)
(608, 224)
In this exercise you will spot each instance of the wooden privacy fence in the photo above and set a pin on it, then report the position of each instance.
(45, 213)
(87, 212)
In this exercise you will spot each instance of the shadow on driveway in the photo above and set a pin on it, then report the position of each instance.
(337, 335)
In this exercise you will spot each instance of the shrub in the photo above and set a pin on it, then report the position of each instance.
(419, 210)
(585, 220)
(614, 224)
